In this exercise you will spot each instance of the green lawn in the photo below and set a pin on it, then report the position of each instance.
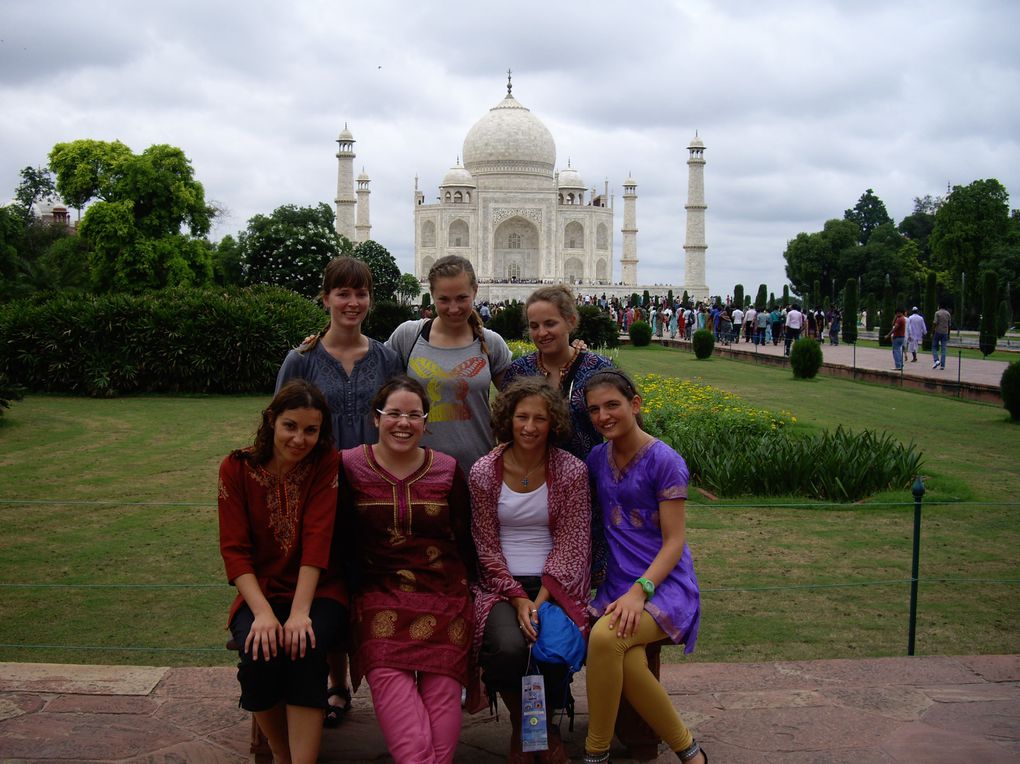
(165, 450)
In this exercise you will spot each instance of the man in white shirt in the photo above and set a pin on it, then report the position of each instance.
(749, 323)
(738, 322)
(916, 329)
(794, 324)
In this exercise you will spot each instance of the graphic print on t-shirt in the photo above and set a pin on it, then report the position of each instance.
(452, 383)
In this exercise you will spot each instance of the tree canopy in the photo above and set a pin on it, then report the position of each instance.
(290, 247)
(385, 273)
(869, 213)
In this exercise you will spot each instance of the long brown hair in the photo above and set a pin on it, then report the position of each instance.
(450, 267)
(559, 297)
(340, 273)
(617, 380)
(296, 394)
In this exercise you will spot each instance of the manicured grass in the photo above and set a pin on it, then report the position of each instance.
(167, 449)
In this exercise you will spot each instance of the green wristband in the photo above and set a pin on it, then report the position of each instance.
(647, 586)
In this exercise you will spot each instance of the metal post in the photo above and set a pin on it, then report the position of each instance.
(959, 372)
(918, 491)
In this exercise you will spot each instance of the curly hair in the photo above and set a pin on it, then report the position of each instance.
(505, 406)
(296, 394)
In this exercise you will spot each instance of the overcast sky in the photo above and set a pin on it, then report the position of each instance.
(802, 105)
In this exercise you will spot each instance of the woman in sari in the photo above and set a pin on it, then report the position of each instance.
(412, 611)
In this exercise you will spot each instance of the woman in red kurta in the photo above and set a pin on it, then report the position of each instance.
(277, 505)
(412, 613)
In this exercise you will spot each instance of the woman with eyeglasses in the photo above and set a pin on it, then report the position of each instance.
(412, 614)
(349, 368)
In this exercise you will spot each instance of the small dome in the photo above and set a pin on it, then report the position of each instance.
(629, 182)
(363, 175)
(345, 134)
(507, 139)
(696, 143)
(458, 176)
(571, 178)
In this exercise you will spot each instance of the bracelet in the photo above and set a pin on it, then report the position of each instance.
(647, 586)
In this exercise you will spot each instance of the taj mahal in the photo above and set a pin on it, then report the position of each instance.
(519, 221)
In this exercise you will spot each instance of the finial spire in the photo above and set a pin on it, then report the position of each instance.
(509, 85)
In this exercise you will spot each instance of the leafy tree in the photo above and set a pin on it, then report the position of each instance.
(816, 292)
(510, 323)
(290, 247)
(971, 227)
(869, 213)
(228, 265)
(761, 298)
(850, 311)
(1002, 324)
(36, 186)
(686, 298)
(408, 288)
(87, 170)
(989, 315)
(870, 308)
(146, 214)
(385, 316)
(596, 328)
(385, 273)
(786, 294)
(738, 295)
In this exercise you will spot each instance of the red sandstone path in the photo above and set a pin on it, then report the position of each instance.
(938, 710)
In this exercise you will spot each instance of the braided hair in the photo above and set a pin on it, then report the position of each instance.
(450, 267)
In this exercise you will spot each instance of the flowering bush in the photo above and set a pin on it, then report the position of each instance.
(735, 449)
(520, 348)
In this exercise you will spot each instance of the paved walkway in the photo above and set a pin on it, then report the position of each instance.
(971, 378)
(878, 711)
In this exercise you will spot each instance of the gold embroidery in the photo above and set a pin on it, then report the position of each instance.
(422, 627)
(673, 492)
(223, 490)
(407, 580)
(432, 508)
(432, 555)
(616, 515)
(635, 518)
(653, 519)
(384, 624)
(457, 631)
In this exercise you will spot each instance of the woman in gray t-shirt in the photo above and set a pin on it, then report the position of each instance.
(456, 359)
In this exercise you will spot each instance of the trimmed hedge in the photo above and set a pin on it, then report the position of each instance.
(806, 358)
(177, 340)
(1009, 386)
(640, 334)
(704, 342)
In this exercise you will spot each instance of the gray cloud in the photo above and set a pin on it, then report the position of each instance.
(802, 106)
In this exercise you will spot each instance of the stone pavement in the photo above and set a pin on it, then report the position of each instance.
(927, 709)
(978, 378)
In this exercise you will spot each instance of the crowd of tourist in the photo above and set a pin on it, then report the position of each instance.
(387, 513)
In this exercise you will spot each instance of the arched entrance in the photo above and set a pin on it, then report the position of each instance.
(515, 251)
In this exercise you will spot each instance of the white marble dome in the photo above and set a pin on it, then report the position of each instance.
(571, 178)
(458, 176)
(509, 139)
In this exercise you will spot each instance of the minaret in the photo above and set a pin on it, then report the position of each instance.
(363, 228)
(629, 261)
(345, 185)
(694, 244)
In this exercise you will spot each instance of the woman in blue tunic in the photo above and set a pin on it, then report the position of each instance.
(349, 368)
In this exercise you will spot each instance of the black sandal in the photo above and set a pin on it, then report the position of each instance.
(335, 714)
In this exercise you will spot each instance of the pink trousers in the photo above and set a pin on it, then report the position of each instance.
(419, 714)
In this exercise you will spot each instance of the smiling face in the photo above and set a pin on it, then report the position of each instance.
(400, 435)
(611, 412)
(454, 298)
(295, 434)
(549, 330)
(347, 306)
(531, 425)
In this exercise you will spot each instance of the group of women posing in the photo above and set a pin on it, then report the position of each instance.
(349, 527)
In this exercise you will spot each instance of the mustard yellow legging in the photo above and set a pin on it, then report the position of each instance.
(618, 665)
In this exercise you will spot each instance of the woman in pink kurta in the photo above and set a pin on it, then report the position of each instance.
(412, 611)
(532, 528)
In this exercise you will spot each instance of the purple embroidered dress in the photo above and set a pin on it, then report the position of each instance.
(629, 502)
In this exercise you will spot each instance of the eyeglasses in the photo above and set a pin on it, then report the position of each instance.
(395, 416)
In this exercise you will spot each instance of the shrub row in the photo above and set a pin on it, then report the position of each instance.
(178, 340)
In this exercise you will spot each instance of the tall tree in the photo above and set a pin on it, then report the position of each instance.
(850, 311)
(37, 185)
(869, 213)
(971, 226)
(987, 333)
(87, 170)
(761, 299)
(738, 295)
(290, 247)
(385, 273)
(409, 288)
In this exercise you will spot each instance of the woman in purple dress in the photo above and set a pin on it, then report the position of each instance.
(650, 592)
